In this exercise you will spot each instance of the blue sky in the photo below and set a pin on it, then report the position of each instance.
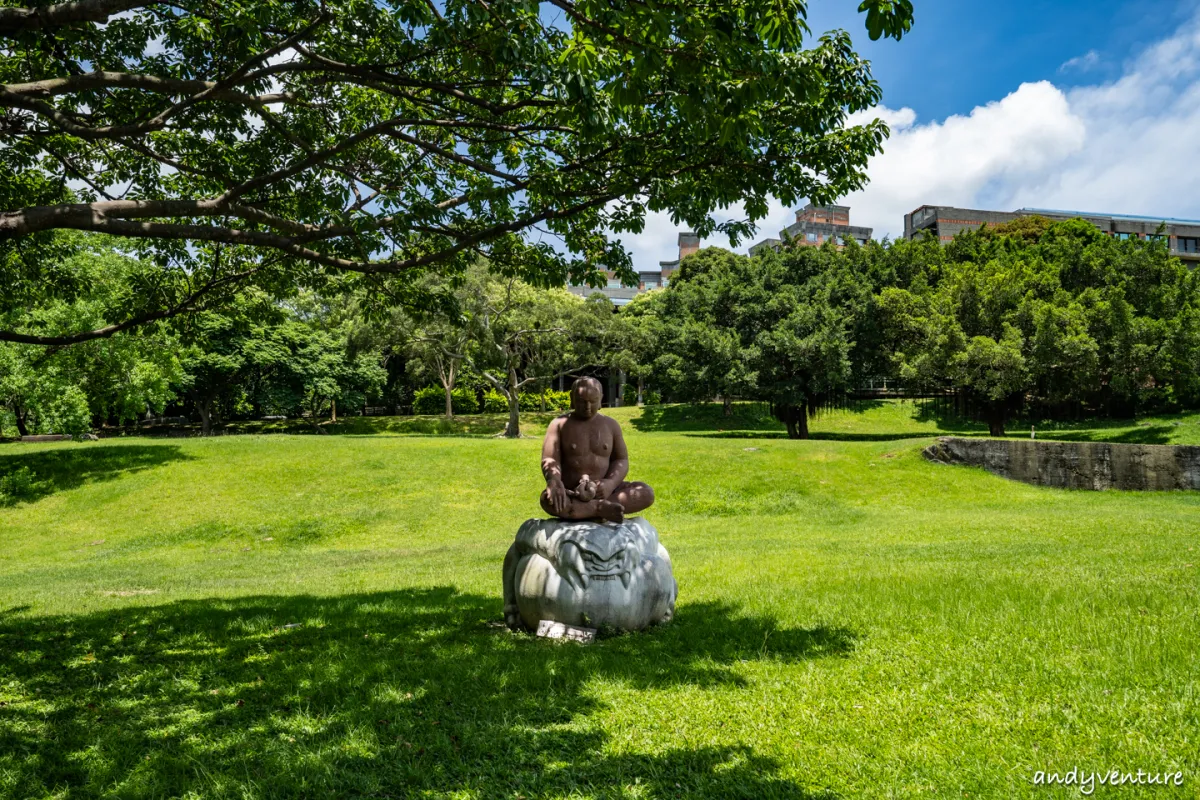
(961, 54)
(1076, 105)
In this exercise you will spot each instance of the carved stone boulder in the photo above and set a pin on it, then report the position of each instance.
(588, 573)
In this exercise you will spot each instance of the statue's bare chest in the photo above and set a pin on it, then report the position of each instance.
(587, 441)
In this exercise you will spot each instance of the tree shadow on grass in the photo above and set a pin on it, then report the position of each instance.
(393, 694)
(754, 421)
(738, 435)
(1154, 434)
(813, 436)
(706, 417)
(947, 421)
(830, 436)
(65, 468)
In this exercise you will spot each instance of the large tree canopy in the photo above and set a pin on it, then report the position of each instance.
(295, 142)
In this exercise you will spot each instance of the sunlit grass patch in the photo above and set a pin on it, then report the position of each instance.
(284, 616)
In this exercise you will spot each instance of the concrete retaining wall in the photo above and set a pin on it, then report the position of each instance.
(1077, 465)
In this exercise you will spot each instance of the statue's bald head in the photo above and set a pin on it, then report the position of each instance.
(586, 395)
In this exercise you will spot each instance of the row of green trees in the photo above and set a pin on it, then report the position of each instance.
(1050, 318)
(304, 354)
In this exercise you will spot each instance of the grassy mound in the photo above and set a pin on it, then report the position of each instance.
(280, 616)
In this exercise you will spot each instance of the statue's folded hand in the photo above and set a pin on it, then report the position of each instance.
(558, 496)
(586, 490)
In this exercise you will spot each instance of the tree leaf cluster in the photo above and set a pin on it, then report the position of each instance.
(358, 145)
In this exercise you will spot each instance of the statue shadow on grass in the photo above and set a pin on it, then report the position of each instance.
(60, 469)
(395, 694)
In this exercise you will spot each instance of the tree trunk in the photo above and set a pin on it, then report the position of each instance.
(449, 378)
(22, 428)
(728, 405)
(996, 420)
(314, 416)
(205, 407)
(796, 419)
(641, 389)
(333, 410)
(512, 428)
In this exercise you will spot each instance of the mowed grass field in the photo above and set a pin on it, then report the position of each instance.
(266, 616)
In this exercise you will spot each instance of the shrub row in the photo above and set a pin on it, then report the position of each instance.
(432, 400)
(649, 396)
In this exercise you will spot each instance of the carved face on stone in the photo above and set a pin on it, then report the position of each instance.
(585, 398)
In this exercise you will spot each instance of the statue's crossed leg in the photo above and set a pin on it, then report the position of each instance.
(629, 497)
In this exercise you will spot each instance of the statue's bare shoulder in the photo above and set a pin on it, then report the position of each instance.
(611, 424)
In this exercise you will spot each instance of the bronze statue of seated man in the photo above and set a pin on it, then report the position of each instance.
(580, 446)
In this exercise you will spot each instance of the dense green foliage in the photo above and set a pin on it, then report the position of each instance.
(523, 337)
(780, 328)
(1053, 319)
(262, 617)
(1049, 321)
(362, 144)
(307, 356)
(120, 377)
(432, 399)
(1056, 317)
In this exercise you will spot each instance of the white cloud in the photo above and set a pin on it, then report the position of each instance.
(1083, 63)
(896, 119)
(1126, 146)
(970, 160)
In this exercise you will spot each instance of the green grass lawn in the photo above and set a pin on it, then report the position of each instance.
(320, 616)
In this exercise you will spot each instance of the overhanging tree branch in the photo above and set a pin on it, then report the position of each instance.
(188, 304)
(378, 141)
(14, 20)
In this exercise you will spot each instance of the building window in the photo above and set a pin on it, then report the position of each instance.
(1188, 244)
(613, 283)
(650, 284)
(1124, 236)
(812, 237)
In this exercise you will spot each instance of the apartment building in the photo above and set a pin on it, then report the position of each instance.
(945, 222)
(620, 295)
(816, 225)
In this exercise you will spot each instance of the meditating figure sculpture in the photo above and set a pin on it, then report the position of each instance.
(582, 444)
(590, 565)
